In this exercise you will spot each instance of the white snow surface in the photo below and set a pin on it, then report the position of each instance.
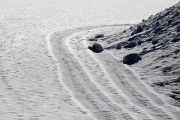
(47, 72)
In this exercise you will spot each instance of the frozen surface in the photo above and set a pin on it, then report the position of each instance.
(35, 85)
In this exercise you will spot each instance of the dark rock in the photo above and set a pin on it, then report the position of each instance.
(130, 45)
(96, 48)
(176, 97)
(166, 69)
(178, 79)
(153, 47)
(175, 15)
(177, 51)
(149, 39)
(169, 22)
(175, 39)
(93, 39)
(138, 29)
(131, 58)
(90, 47)
(118, 46)
(132, 33)
(131, 28)
(144, 26)
(175, 23)
(131, 38)
(156, 25)
(99, 35)
(162, 84)
(157, 30)
(178, 28)
(154, 41)
(139, 42)
(167, 13)
(124, 31)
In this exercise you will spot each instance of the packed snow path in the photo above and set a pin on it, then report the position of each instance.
(100, 84)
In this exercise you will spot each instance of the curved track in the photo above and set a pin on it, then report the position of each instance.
(100, 85)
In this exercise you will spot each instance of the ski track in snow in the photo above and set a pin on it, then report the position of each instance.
(100, 84)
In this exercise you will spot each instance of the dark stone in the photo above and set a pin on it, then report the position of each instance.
(118, 46)
(139, 29)
(157, 30)
(130, 45)
(166, 69)
(156, 25)
(132, 33)
(149, 39)
(131, 58)
(176, 97)
(178, 28)
(97, 48)
(167, 13)
(144, 26)
(169, 22)
(177, 51)
(175, 39)
(154, 41)
(162, 84)
(174, 23)
(139, 42)
(99, 35)
(90, 47)
(176, 80)
(93, 39)
(153, 47)
(175, 15)
(124, 31)
(132, 38)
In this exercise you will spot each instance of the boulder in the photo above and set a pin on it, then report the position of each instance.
(158, 29)
(130, 45)
(131, 58)
(97, 48)
(139, 29)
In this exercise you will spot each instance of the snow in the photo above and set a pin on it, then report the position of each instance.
(47, 72)
(108, 88)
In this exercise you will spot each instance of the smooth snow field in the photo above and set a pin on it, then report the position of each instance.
(48, 72)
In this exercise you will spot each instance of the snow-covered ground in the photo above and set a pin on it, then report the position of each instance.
(47, 72)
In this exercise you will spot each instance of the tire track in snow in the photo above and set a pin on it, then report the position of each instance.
(60, 78)
(99, 87)
(157, 111)
(94, 100)
(111, 87)
(99, 96)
